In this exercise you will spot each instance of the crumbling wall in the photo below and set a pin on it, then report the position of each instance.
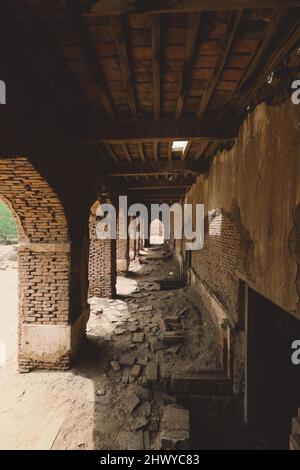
(251, 196)
(252, 225)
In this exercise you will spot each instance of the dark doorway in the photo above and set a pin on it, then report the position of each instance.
(273, 382)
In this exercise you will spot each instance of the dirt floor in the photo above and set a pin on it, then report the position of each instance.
(114, 397)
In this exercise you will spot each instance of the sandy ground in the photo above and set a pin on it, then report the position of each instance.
(87, 407)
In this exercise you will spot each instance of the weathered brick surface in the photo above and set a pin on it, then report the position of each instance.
(217, 261)
(102, 263)
(122, 252)
(47, 293)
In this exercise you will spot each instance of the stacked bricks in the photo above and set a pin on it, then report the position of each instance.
(40, 215)
(122, 250)
(216, 263)
(102, 262)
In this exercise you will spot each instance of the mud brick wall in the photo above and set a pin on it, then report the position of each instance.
(102, 262)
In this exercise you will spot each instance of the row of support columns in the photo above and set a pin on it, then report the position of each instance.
(109, 258)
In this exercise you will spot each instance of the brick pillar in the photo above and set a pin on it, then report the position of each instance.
(53, 308)
(102, 263)
(48, 333)
(122, 253)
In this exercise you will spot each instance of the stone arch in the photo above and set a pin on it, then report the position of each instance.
(47, 337)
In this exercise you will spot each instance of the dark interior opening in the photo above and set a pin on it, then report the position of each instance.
(273, 381)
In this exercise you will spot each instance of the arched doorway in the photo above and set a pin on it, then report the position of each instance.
(156, 235)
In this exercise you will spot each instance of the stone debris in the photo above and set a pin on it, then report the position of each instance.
(145, 409)
(142, 361)
(133, 328)
(151, 372)
(125, 376)
(119, 331)
(115, 366)
(127, 360)
(136, 371)
(174, 428)
(132, 402)
(140, 423)
(138, 338)
(136, 441)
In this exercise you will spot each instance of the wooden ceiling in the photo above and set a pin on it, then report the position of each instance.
(152, 72)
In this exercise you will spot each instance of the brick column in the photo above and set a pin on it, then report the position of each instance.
(122, 253)
(102, 263)
(48, 335)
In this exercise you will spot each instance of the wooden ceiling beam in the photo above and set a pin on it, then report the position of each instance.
(186, 150)
(149, 130)
(161, 190)
(87, 46)
(228, 39)
(111, 152)
(163, 183)
(141, 150)
(156, 65)
(155, 151)
(127, 153)
(186, 74)
(119, 7)
(120, 41)
(282, 35)
(154, 168)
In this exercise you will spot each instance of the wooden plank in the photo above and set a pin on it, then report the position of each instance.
(170, 150)
(110, 152)
(157, 199)
(186, 150)
(202, 147)
(156, 65)
(159, 183)
(127, 153)
(272, 28)
(141, 149)
(229, 36)
(119, 35)
(282, 36)
(119, 7)
(88, 48)
(157, 194)
(154, 168)
(155, 150)
(149, 130)
(191, 40)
